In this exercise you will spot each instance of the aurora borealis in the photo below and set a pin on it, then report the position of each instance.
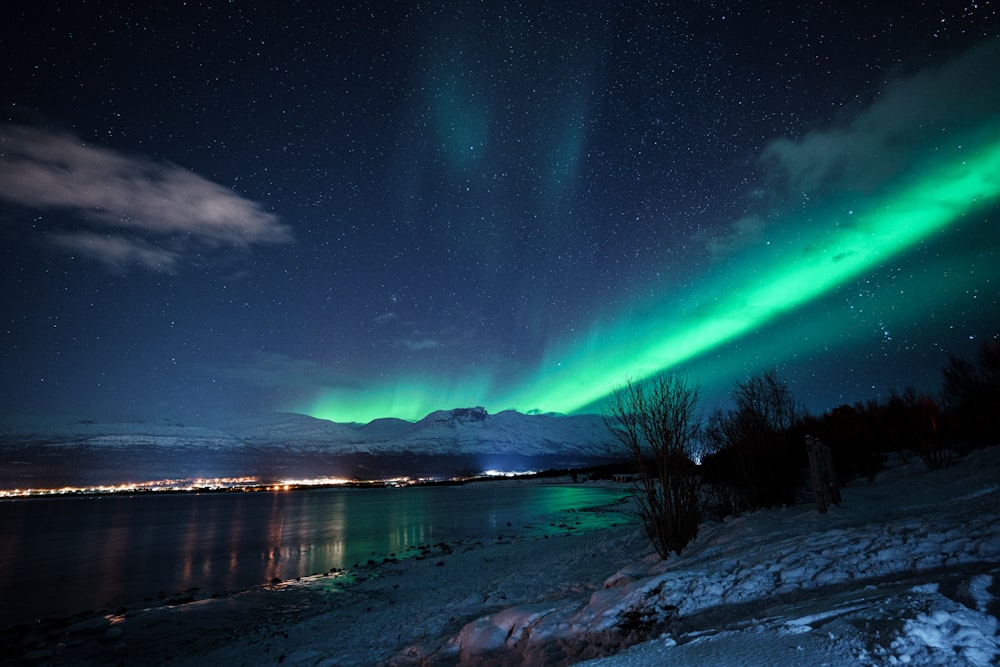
(893, 226)
(370, 212)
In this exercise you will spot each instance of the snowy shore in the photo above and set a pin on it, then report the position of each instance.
(906, 571)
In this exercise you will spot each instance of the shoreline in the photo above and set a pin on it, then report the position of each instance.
(153, 488)
(904, 570)
(232, 626)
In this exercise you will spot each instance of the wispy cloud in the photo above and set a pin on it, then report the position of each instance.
(936, 110)
(407, 335)
(743, 232)
(279, 371)
(116, 251)
(419, 343)
(133, 210)
(935, 106)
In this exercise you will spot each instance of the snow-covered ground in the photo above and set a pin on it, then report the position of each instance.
(905, 571)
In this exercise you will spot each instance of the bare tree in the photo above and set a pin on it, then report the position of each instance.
(766, 403)
(755, 451)
(655, 421)
(971, 393)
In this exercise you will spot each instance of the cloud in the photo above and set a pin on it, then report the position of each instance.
(418, 344)
(936, 106)
(135, 210)
(116, 251)
(412, 338)
(741, 233)
(913, 119)
(270, 371)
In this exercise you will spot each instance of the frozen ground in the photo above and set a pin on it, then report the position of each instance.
(906, 571)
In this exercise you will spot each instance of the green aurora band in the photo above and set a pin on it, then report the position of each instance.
(832, 249)
(837, 253)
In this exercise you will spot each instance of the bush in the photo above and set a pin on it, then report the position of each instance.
(756, 452)
(971, 395)
(655, 421)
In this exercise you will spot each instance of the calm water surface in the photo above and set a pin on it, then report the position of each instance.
(59, 556)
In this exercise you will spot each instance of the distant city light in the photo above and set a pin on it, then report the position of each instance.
(231, 484)
(507, 473)
(319, 481)
(161, 485)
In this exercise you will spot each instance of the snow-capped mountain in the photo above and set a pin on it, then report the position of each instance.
(474, 431)
(461, 431)
(286, 444)
(123, 434)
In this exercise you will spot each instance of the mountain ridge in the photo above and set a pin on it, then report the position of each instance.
(285, 443)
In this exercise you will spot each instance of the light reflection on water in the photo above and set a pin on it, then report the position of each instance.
(59, 556)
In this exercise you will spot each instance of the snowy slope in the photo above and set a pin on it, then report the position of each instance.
(458, 432)
(292, 446)
(906, 571)
(294, 431)
(474, 431)
(119, 434)
(464, 431)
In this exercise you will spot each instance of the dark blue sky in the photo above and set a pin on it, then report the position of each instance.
(220, 209)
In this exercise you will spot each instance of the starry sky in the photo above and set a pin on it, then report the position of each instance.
(213, 210)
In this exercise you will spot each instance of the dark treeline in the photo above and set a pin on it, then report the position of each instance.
(754, 455)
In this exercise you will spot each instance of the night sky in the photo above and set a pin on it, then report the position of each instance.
(216, 210)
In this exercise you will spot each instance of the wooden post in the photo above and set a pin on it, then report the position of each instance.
(824, 475)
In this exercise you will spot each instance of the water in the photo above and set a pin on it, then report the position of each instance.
(61, 556)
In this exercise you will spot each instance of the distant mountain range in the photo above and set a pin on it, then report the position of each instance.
(288, 445)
